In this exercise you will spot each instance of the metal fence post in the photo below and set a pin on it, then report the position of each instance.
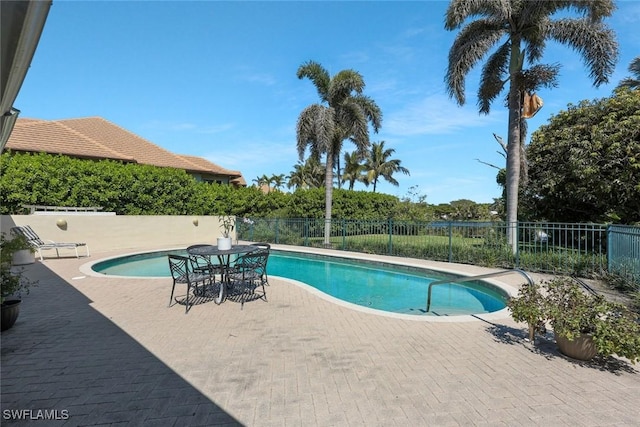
(609, 246)
(517, 237)
(390, 245)
(344, 234)
(276, 231)
(450, 241)
(305, 235)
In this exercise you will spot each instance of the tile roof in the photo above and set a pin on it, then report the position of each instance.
(97, 138)
(53, 137)
(204, 163)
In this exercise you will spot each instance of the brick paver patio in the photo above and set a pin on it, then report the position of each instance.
(108, 351)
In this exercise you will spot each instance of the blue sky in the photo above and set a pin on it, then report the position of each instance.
(218, 80)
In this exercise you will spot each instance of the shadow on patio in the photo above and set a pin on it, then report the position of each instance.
(63, 359)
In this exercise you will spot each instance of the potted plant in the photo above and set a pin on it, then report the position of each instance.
(530, 307)
(583, 324)
(228, 223)
(12, 282)
(24, 252)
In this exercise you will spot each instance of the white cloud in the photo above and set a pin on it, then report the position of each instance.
(358, 57)
(435, 114)
(412, 32)
(478, 189)
(157, 125)
(255, 157)
(160, 126)
(216, 128)
(400, 52)
(264, 79)
(628, 12)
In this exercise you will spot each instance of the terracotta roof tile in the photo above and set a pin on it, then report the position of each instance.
(204, 163)
(239, 182)
(124, 141)
(95, 137)
(53, 137)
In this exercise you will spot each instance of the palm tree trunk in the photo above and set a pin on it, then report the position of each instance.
(338, 171)
(513, 147)
(513, 171)
(327, 200)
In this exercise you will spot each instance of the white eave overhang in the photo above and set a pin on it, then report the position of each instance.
(21, 24)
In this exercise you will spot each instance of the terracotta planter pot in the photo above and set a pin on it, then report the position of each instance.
(582, 348)
(9, 313)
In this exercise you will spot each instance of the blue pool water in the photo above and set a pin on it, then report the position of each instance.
(384, 287)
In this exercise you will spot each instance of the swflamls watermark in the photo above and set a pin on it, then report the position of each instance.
(35, 414)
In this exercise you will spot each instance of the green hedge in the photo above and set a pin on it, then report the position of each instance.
(133, 189)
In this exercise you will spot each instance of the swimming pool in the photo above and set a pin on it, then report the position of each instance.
(374, 285)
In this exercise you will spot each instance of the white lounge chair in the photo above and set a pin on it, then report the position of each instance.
(37, 243)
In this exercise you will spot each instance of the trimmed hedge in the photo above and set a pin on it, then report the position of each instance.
(134, 189)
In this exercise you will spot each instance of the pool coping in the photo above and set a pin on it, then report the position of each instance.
(457, 269)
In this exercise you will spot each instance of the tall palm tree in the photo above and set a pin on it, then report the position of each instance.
(343, 113)
(277, 181)
(296, 178)
(634, 69)
(263, 180)
(259, 181)
(519, 29)
(353, 169)
(309, 174)
(379, 165)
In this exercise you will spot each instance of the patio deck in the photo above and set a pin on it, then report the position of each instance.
(108, 351)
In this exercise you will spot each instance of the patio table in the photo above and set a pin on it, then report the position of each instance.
(224, 259)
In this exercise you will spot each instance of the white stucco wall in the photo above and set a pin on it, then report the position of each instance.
(110, 232)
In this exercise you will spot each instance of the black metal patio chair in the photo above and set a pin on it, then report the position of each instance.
(267, 247)
(182, 271)
(248, 275)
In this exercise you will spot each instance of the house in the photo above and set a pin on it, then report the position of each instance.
(96, 138)
(22, 24)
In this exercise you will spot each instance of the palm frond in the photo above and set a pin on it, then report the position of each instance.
(534, 38)
(494, 76)
(535, 19)
(315, 129)
(318, 75)
(634, 67)
(344, 84)
(594, 41)
(370, 110)
(461, 10)
(595, 10)
(632, 82)
(470, 46)
(541, 75)
(354, 122)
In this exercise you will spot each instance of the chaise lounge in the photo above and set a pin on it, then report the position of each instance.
(37, 243)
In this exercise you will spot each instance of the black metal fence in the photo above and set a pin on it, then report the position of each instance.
(623, 249)
(577, 249)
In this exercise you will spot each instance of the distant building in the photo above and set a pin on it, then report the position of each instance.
(96, 138)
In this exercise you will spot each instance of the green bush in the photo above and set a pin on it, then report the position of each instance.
(572, 312)
(12, 281)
